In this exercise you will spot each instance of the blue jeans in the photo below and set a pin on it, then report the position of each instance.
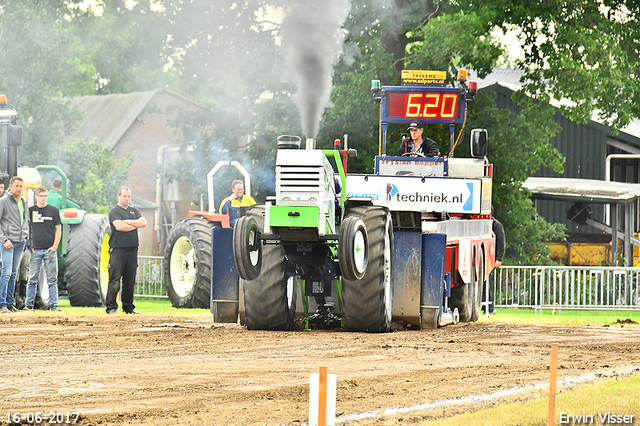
(50, 260)
(10, 263)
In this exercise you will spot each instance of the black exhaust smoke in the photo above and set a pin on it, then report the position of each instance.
(312, 38)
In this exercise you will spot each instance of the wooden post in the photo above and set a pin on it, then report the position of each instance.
(322, 397)
(552, 385)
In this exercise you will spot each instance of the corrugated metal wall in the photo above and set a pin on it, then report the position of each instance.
(584, 147)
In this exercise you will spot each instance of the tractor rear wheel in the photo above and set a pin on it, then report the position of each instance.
(462, 297)
(187, 263)
(87, 274)
(269, 299)
(367, 303)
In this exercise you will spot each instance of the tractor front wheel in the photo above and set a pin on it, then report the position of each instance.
(187, 263)
(247, 248)
(353, 242)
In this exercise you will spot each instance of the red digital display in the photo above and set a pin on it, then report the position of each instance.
(423, 105)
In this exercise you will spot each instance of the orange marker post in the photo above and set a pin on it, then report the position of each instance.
(322, 397)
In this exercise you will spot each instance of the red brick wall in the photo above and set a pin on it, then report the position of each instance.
(147, 134)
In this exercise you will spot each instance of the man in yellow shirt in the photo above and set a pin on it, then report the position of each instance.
(231, 204)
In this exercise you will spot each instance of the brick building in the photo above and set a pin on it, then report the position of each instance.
(139, 122)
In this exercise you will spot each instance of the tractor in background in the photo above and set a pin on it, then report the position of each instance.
(83, 252)
(188, 260)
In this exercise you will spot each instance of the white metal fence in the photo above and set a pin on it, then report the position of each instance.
(538, 287)
(150, 277)
(566, 287)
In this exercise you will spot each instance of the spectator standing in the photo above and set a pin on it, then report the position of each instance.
(123, 263)
(231, 204)
(14, 228)
(1, 188)
(45, 232)
(498, 231)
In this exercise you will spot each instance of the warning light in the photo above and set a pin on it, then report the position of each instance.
(3, 99)
(473, 88)
(462, 75)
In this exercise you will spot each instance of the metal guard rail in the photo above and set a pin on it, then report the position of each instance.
(537, 287)
(566, 287)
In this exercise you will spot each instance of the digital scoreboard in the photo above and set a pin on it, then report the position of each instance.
(426, 104)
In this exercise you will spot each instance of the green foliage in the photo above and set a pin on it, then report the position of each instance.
(123, 45)
(94, 175)
(225, 56)
(38, 69)
(585, 52)
(519, 145)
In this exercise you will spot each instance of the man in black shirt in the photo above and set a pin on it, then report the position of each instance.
(498, 231)
(45, 232)
(418, 145)
(123, 263)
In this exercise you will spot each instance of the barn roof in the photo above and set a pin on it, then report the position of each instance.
(108, 117)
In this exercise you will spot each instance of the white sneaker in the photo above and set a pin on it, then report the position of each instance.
(4, 310)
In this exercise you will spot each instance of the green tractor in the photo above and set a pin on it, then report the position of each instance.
(83, 251)
(339, 252)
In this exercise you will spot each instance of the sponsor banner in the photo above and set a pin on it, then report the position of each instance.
(423, 78)
(411, 193)
(409, 166)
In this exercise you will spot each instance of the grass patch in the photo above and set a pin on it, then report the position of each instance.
(593, 318)
(144, 305)
(618, 397)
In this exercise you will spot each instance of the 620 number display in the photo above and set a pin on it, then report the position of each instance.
(423, 105)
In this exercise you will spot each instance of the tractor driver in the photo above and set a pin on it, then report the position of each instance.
(231, 204)
(418, 144)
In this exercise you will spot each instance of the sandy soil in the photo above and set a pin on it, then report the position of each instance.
(159, 370)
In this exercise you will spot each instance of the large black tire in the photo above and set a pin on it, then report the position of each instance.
(87, 273)
(462, 297)
(354, 248)
(367, 303)
(247, 248)
(187, 263)
(479, 280)
(270, 299)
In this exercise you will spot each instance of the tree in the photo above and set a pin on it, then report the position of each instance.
(424, 35)
(584, 52)
(519, 146)
(94, 175)
(38, 70)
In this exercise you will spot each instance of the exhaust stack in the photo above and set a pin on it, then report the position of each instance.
(311, 143)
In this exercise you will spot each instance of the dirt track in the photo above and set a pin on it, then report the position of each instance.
(159, 370)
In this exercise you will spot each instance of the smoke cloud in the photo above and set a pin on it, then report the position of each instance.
(312, 38)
